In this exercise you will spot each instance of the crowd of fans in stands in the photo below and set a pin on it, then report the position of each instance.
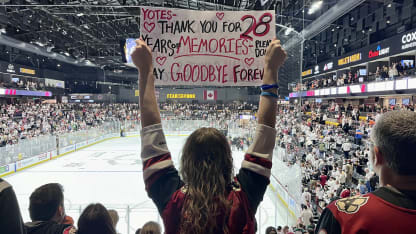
(382, 73)
(23, 83)
(334, 159)
(25, 121)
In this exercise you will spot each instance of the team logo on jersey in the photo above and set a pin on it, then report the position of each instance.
(184, 189)
(70, 230)
(351, 205)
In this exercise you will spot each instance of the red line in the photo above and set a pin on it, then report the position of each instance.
(213, 55)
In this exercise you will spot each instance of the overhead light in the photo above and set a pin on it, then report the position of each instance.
(388, 21)
(333, 30)
(315, 6)
(338, 27)
(58, 65)
(86, 27)
(39, 43)
(66, 53)
(288, 31)
(335, 45)
(389, 5)
(363, 31)
(80, 14)
(370, 30)
(3, 30)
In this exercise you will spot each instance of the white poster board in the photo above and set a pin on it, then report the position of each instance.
(208, 48)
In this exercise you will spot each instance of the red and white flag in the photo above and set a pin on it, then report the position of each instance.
(210, 94)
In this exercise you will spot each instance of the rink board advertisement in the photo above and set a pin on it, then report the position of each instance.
(33, 160)
(209, 48)
(6, 169)
(66, 149)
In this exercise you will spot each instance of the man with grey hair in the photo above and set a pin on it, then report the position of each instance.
(392, 207)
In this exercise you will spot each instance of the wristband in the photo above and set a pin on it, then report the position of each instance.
(266, 87)
(269, 94)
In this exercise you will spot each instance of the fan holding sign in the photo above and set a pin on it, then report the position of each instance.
(207, 198)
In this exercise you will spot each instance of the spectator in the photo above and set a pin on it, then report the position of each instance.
(306, 215)
(286, 230)
(322, 179)
(346, 147)
(358, 136)
(391, 208)
(11, 219)
(46, 209)
(114, 217)
(345, 193)
(208, 200)
(279, 229)
(362, 188)
(151, 228)
(138, 231)
(95, 219)
(271, 230)
(306, 197)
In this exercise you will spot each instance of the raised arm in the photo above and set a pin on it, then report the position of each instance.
(142, 59)
(256, 167)
(160, 176)
(275, 57)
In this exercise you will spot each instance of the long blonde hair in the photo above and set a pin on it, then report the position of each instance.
(207, 170)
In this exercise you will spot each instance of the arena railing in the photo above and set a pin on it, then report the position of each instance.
(25, 153)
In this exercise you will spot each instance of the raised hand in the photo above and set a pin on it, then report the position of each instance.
(142, 57)
(275, 56)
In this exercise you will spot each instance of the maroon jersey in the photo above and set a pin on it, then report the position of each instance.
(383, 211)
(168, 191)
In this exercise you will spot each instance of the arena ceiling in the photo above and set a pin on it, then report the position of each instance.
(92, 30)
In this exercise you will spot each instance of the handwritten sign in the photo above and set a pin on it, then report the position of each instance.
(207, 48)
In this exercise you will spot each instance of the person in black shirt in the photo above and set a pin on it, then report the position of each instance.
(47, 211)
(11, 219)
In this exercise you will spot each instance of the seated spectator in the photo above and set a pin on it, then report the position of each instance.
(46, 209)
(151, 228)
(95, 219)
(114, 217)
(286, 230)
(271, 230)
(11, 219)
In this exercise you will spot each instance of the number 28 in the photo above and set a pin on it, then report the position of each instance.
(265, 20)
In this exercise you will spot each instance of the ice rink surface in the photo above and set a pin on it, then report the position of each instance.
(111, 173)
